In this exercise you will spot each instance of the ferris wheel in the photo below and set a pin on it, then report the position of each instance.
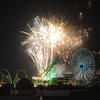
(83, 65)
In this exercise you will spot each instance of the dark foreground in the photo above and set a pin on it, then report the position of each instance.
(70, 94)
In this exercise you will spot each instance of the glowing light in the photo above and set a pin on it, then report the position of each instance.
(50, 37)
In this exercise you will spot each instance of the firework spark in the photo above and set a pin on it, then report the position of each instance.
(48, 37)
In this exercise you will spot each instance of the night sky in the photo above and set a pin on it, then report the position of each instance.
(15, 15)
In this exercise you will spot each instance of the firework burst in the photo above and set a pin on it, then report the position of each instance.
(49, 37)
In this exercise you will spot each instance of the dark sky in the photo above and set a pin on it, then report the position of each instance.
(16, 14)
